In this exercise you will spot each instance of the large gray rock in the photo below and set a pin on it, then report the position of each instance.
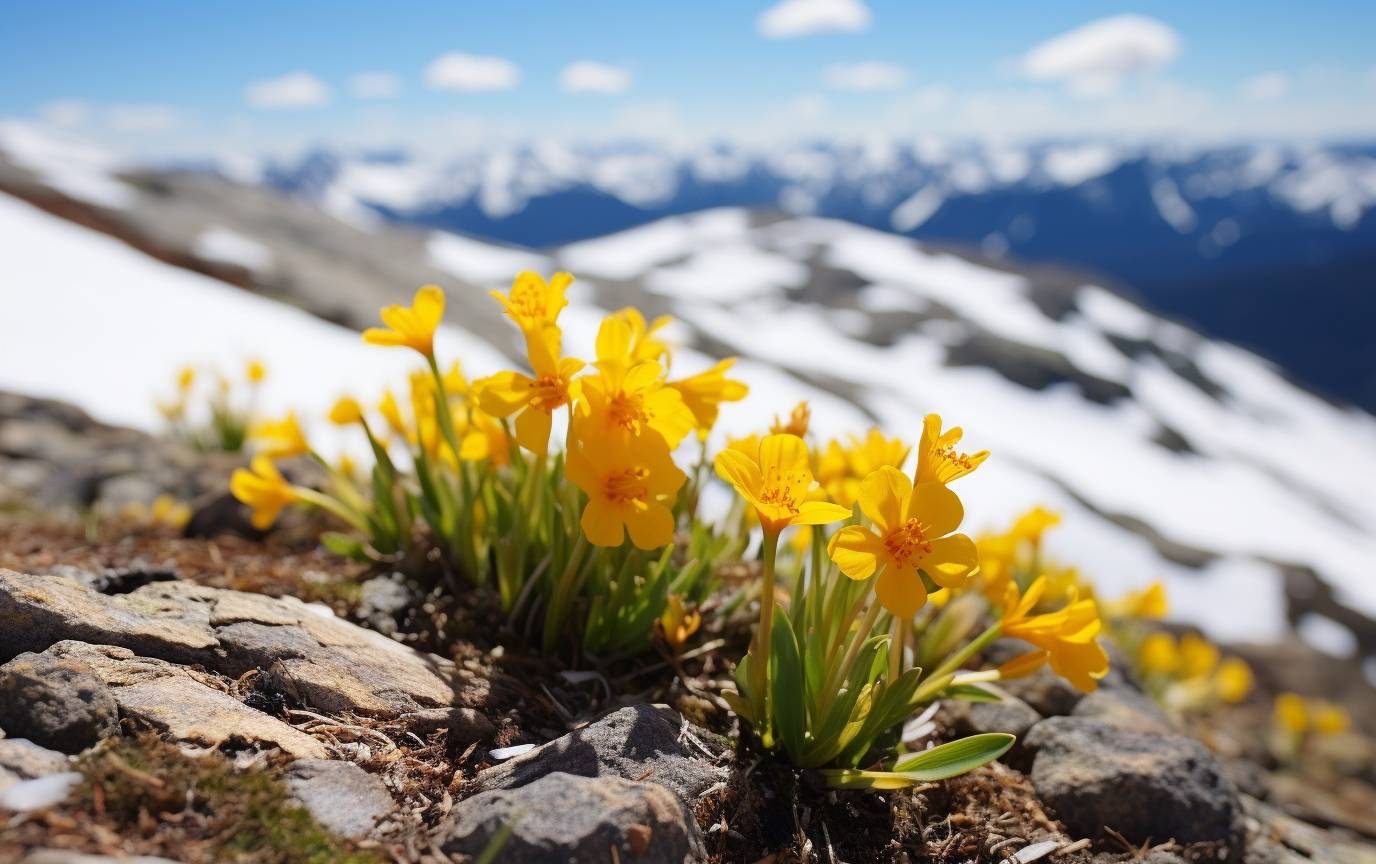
(340, 795)
(1145, 786)
(182, 704)
(1126, 709)
(54, 702)
(1010, 714)
(579, 820)
(332, 665)
(635, 743)
(24, 760)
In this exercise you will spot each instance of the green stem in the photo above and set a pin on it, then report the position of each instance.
(759, 667)
(554, 614)
(331, 505)
(838, 675)
(956, 660)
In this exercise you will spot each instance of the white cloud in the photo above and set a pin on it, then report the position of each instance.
(589, 76)
(1266, 87)
(868, 77)
(65, 113)
(789, 18)
(471, 73)
(293, 90)
(1094, 59)
(142, 118)
(375, 85)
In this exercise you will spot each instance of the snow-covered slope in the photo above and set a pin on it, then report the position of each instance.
(1171, 455)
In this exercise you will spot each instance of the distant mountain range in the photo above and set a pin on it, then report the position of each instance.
(1270, 246)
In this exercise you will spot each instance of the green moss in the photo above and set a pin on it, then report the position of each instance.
(245, 815)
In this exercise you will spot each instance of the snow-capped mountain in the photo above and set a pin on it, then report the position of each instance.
(1170, 454)
(1268, 245)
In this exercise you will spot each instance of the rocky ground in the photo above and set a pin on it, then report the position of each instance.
(200, 696)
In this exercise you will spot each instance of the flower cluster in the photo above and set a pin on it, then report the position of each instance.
(223, 421)
(1189, 674)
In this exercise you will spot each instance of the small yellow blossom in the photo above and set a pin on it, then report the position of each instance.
(1198, 656)
(169, 511)
(1233, 680)
(411, 326)
(796, 424)
(455, 382)
(280, 439)
(536, 399)
(937, 458)
(391, 413)
(630, 482)
(678, 623)
(1328, 719)
(777, 481)
(1066, 638)
(255, 372)
(1157, 654)
(704, 392)
(534, 303)
(645, 343)
(263, 489)
(1033, 524)
(186, 378)
(345, 411)
(1291, 713)
(913, 531)
(1148, 603)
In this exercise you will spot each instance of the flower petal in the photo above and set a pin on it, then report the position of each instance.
(951, 560)
(855, 551)
(882, 496)
(937, 508)
(901, 591)
(602, 523)
(650, 527)
(532, 430)
(739, 470)
(820, 513)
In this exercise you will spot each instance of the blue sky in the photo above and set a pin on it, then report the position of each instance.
(188, 76)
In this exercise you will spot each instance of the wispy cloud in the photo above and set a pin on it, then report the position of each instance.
(471, 73)
(865, 77)
(142, 118)
(1093, 60)
(65, 113)
(375, 85)
(791, 18)
(1266, 87)
(293, 90)
(589, 76)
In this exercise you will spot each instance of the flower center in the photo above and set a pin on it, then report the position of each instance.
(907, 540)
(626, 485)
(953, 456)
(548, 393)
(627, 411)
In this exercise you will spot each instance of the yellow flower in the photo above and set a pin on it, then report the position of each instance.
(678, 623)
(630, 399)
(1233, 681)
(186, 378)
(749, 445)
(875, 451)
(645, 343)
(937, 458)
(169, 511)
(481, 437)
(347, 466)
(263, 489)
(1329, 719)
(281, 439)
(255, 372)
(631, 482)
(1067, 638)
(1158, 654)
(411, 326)
(533, 303)
(1291, 713)
(346, 410)
(455, 383)
(912, 531)
(997, 560)
(391, 413)
(1150, 602)
(1031, 525)
(797, 423)
(536, 398)
(704, 392)
(776, 481)
(1198, 656)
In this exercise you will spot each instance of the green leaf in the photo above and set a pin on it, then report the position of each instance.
(955, 758)
(786, 686)
(970, 693)
(344, 545)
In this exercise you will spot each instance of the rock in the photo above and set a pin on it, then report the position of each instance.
(1097, 775)
(340, 795)
(38, 793)
(1011, 715)
(25, 760)
(63, 856)
(179, 703)
(1045, 692)
(580, 820)
(56, 703)
(635, 743)
(384, 601)
(1126, 709)
(331, 664)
